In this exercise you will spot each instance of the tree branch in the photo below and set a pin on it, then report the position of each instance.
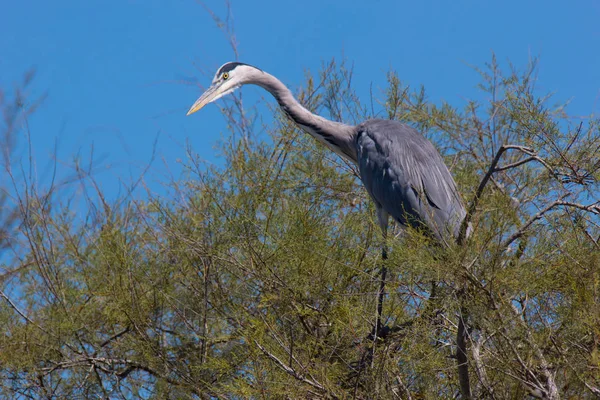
(115, 336)
(480, 367)
(593, 208)
(492, 168)
(23, 315)
(515, 164)
(292, 371)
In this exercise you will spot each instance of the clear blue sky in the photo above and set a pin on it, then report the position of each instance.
(115, 71)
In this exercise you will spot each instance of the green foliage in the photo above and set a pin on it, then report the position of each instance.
(259, 279)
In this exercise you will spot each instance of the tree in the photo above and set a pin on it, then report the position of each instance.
(259, 279)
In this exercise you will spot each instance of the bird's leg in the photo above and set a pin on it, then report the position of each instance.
(381, 292)
(382, 217)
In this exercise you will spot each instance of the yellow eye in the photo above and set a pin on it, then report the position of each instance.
(225, 75)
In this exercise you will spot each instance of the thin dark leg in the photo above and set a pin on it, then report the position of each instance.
(382, 217)
(380, 294)
(379, 328)
(381, 290)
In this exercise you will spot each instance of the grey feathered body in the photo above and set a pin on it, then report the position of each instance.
(407, 178)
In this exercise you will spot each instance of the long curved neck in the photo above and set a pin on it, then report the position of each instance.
(337, 136)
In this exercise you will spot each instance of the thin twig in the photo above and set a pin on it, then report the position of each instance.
(493, 168)
(292, 371)
(593, 208)
(22, 314)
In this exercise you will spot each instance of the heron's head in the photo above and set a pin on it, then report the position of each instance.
(229, 77)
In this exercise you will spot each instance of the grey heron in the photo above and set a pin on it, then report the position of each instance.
(402, 171)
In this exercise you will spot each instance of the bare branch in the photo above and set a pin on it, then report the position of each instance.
(482, 184)
(291, 371)
(22, 314)
(515, 164)
(550, 390)
(593, 208)
(115, 336)
(404, 388)
(480, 367)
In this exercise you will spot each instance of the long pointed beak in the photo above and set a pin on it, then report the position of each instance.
(203, 100)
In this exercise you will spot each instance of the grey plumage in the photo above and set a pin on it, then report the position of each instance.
(402, 171)
(407, 178)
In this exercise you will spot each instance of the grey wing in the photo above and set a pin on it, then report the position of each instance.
(407, 177)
